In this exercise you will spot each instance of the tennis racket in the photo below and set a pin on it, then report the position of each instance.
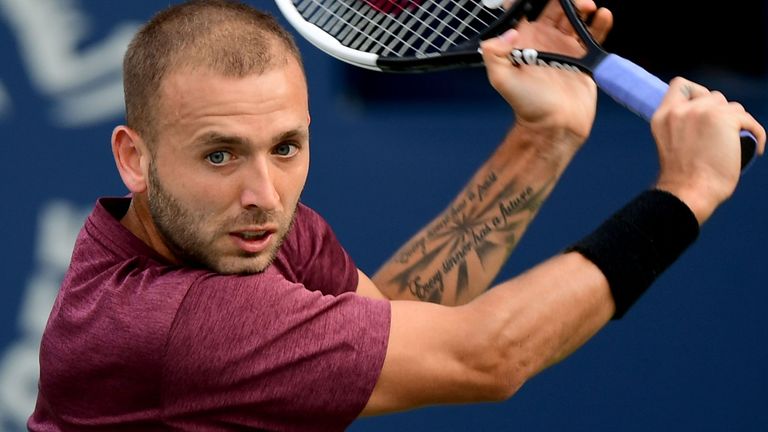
(427, 35)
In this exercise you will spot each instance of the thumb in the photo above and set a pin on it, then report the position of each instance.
(500, 46)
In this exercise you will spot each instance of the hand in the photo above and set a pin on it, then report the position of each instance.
(697, 136)
(544, 97)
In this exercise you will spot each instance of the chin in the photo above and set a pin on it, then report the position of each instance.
(242, 266)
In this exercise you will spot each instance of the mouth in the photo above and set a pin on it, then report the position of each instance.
(252, 235)
(253, 240)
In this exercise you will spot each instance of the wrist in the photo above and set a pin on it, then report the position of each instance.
(547, 140)
(701, 204)
(641, 240)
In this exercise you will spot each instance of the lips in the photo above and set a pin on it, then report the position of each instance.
(253, 240)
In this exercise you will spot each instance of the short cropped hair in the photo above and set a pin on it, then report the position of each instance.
(222, 36)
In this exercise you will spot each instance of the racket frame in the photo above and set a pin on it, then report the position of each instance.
(627, 83)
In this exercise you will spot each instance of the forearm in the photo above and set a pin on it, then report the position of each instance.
(551, 310)
(545, 314)
(536, 319)
(455, 258)
(506, 336)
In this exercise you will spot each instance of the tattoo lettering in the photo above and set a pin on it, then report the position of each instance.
(485, 185)
(475, 226)
(431, 289)
(516, 205)
(419, 245)
(442, 224)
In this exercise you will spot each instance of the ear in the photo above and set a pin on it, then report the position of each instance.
(131, 157)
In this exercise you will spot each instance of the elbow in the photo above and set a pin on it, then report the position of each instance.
(495, 364)
(498, 374)
(505, 383)
(501, 390)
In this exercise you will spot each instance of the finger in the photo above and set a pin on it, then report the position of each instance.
(585, 8)
(705, 98)
(745, 121)
(681, 89)
(719, 97)
(602, 22)
(502, 44)
(498, 48)
(554, 15)
(749, 123)
(552, 12)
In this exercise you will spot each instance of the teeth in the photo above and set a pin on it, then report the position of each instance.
(252, 235)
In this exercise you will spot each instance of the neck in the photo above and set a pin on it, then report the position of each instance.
(138, 220)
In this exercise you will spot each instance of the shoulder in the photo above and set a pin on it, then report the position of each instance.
(253, 339)
(313, 255)
(309, 219)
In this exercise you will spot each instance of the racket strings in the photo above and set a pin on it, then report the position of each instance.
(424, 25)
(419, 30)
(345, 26)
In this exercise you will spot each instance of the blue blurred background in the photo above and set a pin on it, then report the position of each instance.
(389, 152)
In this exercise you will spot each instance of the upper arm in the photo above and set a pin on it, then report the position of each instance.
(366, 287)
(486, 349)
(432, 357)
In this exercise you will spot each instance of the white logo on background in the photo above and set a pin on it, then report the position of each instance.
(5, 101)
(84, 82)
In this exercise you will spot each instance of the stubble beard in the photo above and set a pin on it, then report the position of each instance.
(184, 232)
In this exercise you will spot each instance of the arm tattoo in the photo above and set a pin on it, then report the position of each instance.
(478, 225)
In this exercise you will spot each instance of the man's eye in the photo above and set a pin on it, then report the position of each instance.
(286, 149)
(219, 157)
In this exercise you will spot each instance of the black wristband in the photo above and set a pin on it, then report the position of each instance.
(635, 245)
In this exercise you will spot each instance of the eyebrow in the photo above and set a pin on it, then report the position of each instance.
(212, 139)
(298, 133)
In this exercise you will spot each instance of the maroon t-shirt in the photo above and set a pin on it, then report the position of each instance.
(134, 343)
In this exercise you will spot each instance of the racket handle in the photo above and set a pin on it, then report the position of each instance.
(642, 92)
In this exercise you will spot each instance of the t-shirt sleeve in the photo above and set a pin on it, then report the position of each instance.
(312, 256)
(262, 352)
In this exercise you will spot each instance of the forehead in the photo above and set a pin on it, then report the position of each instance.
(192, 98)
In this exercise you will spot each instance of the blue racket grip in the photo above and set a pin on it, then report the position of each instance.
(641, 92)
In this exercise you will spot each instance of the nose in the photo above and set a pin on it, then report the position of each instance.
(259, 187)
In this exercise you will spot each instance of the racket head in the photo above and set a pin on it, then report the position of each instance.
(403, 35)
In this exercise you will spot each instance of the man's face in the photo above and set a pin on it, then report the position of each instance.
(231, 159)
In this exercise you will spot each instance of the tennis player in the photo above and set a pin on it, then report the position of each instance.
(212, 299)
